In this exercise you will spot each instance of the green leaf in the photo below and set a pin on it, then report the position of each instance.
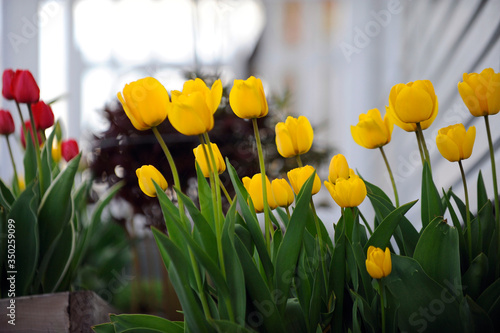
(476, 275)
(288, 253)
(438, 253)
(458, 226)
(422, 299)
(124, 322)
(482, 196)
(382, 235)
(360, 257)
(251, 221)
(431, 205)
(205, 198)
(23, 219)
(480, 319)
(6, 196)
(294, 316)
(224, 326)
(461, 207)
(486, 219)
(46, 158)
(490, 296)
(178, 270)
(337, 277)
(30, 166)
(369, 320)
(259, 292)
(104, 328)
(56, 207)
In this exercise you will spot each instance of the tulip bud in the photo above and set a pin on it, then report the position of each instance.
(24, 87)
(412, 103)
(299, 176)
(145, 175)
(282, 192)
(193, 109)
(6, 123)
(43, 115)
(27, 124)
(7, 78)
(247, 98)
(349, 192)
(338, 168)
(371, 131)
(481, 92)
(378, 262)
(294, 136)
(200, 157)
(254, 188)
(69, 149)
(145, 102)
(454, 143)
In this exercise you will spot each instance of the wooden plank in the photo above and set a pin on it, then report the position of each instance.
(60, 312)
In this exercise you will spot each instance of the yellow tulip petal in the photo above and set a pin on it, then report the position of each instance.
(414, 105)
(447, 148)
(374, 271)
(284, 142)
(387, 266)
(470, 137)
(216, 95)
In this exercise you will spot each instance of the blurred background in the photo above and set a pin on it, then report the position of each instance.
(329, 60)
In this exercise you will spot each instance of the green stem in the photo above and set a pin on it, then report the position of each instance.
(177, 185)
(21, 117)
(264, 185)
(320, 241)
(469, 231)
(365, 222)
(226, 193)
(390, 175)
(175, 174)
(382, 307)
(37, 151)
(299, 161)
(16, 178)
(288, 213)
(420, 148)
(424, 145)
(494, 173)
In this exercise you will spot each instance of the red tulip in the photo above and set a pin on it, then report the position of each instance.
(27, 123)
(69, 149)
(7, 77)
(43, 115)
(24, 87)
(6, 123)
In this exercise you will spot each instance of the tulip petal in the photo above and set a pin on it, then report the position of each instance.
(414, 104)
(447, 148)
(284, 142)
(374, 271)
(493, 94)
(387, 266)
(468, 144)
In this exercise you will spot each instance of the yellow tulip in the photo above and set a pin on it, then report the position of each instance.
(294, 136)
(378, 262)
(347, 192)
(199, 154)
(454, 143)
(299, 176)
(481, 92)
(412, 103)
(146, 103)
(282, 192)
(254, 188)
(145, 175)
(371, 131)
(338, 168)
(247, 98)
(56, 151)
(193, 109)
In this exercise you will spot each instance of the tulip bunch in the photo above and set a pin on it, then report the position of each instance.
(48, 209)
(231, 274)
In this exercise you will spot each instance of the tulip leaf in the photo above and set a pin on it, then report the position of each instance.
(30, 166)
(461, 207)
(22, 217)
(377, 191)
(56, 208)
(251, 221)
(487, 225)
(431, 205)
(337, 276)
(205, 198)
(104, 328)
(482, 195)
(480, 318)
(382, 235)
(365, 310)
(288, 253)
(259, 292)
(294, 316)
(234, 272)
(6, 196)
(456, 223)
(202, 231)
(423, 303)
(178, 270)
(438, 253)
(360, 256)
(475, 275)
(124, 322)
(46, 157)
